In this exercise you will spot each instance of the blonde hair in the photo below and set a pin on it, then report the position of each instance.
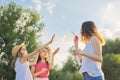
(88, 30)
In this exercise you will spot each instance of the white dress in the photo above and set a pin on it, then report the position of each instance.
(22, 71)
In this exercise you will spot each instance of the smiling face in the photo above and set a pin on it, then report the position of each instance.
(44, 53)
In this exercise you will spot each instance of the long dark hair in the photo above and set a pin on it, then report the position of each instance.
(39, 59)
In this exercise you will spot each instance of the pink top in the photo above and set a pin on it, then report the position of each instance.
(39, 66)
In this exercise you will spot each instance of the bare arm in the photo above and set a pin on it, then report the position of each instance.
(37, 50)
(98, 51)
(76, 40)
(31, 63)
(52, 60)
(51, 41)
(33, 70)
(35, 74)
(31, 54)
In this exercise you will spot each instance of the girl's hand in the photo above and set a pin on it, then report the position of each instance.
(52, 39)
(76, 40)
(54, 53)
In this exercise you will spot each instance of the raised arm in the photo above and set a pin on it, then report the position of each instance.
(76, 40)
(51, 41)
(40, 48)
(31, 63)
(51, 64)
(98, 51)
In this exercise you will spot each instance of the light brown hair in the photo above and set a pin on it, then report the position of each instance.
(88, 30)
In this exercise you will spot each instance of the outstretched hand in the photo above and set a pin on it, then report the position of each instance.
(56, 51)
(52, 39)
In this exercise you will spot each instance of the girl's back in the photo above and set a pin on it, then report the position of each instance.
(22, 71)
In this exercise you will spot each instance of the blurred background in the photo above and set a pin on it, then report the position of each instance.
(35, 21)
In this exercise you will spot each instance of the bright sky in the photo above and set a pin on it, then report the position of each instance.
(61, 17)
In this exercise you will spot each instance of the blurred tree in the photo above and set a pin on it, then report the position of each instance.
(17, 25)
(70, 65)
(68, 72)
(111, 66)
(112, 46)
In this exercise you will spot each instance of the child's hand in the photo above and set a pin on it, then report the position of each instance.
(75, 36)
(52, 39)
(56, 51)
(76, 39)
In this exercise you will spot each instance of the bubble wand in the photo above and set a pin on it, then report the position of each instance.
(76, 39)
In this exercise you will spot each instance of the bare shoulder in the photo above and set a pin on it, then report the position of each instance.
(95, 40)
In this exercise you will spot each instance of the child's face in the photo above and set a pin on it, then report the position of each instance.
(23, 50)
(44, 53)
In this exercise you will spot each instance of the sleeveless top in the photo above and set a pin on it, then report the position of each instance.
(90, 66)
(39, 66)
(22, 71)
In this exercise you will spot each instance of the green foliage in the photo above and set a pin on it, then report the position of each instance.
(68, 72)
(111, 62)
(111, 66)
(112, 46)
(17, 25)
(69, 65)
